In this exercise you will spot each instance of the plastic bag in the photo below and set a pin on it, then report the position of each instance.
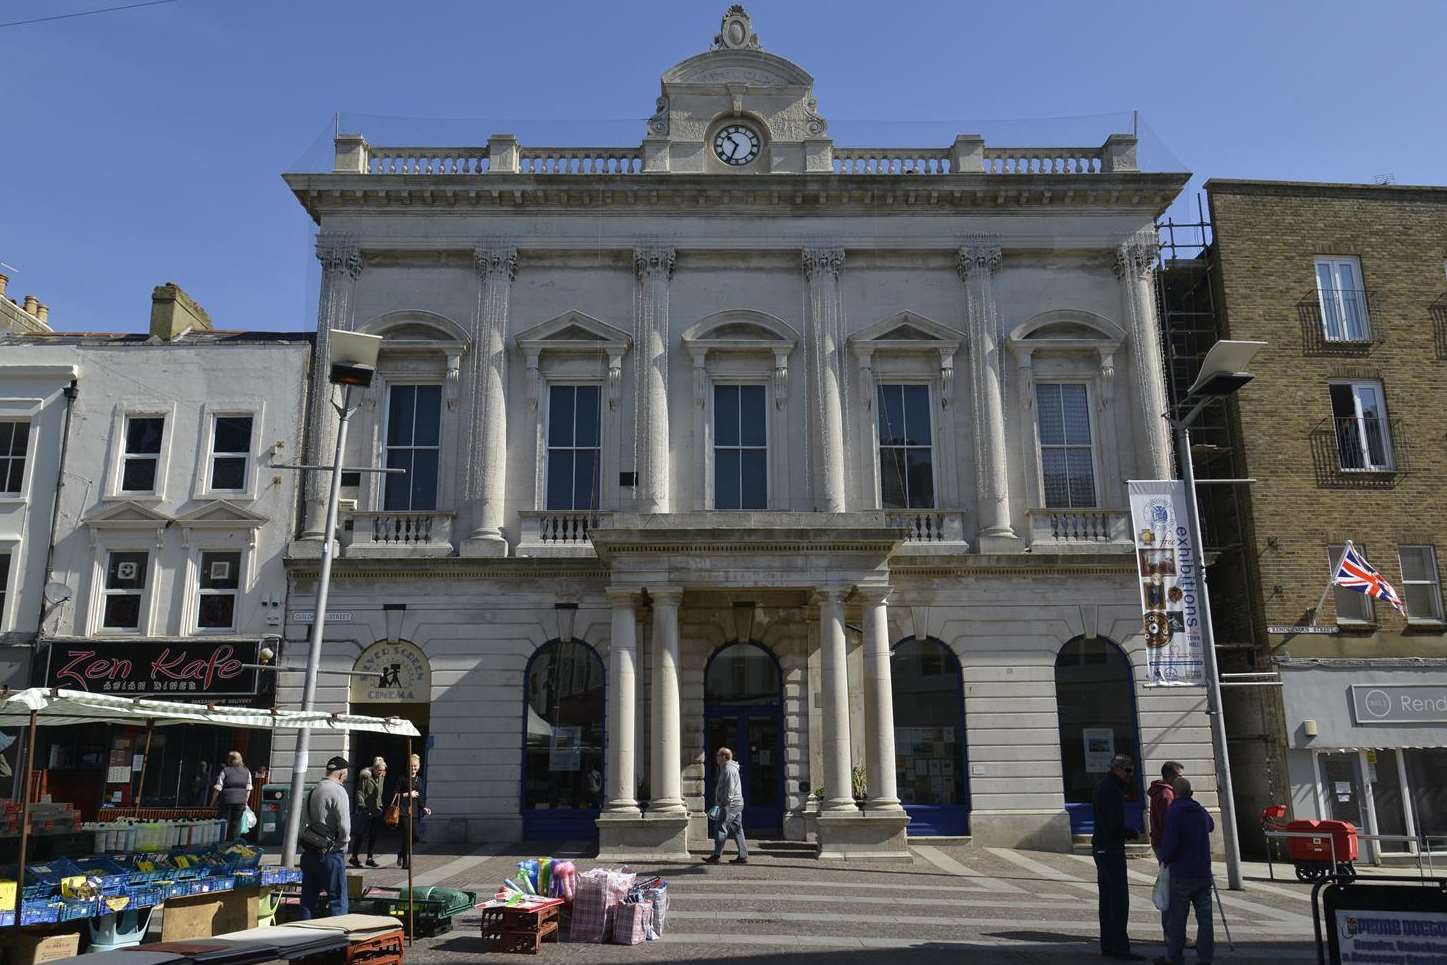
(1161, 893)
(247, 822)
(658, 898)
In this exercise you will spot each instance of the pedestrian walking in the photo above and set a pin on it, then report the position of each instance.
(1107, 845)
(231, 792)
(409, 791)
(326, 829)
(1186, 853)
(369, 811)
(728, 800)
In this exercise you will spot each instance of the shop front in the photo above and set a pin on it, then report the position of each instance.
(1367, 743)
(98, 767)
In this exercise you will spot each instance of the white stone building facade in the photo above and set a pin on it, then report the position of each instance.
(741, 436)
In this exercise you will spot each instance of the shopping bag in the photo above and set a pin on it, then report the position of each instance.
(658, 898)
(1161, 893)
(713, 814)
(393, 815)
(247, 822)
(630, 927)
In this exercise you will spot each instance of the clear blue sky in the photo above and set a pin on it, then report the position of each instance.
(146, 145)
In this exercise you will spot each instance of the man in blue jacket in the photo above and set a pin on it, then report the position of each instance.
(1186, 853)
(1107, 845)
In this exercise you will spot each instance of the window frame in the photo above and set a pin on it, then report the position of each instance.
(1333, 263)
(711, 461)
(197, 592)
(1364, 446)
(254, 409)
(546, 422)
(1334, 553)
(932, 398)
(1435, 583)
(145, 594)
(7, 459)
(1095, 440)
(386, 425)
(120, 420)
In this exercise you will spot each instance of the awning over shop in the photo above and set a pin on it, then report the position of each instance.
(60, 707)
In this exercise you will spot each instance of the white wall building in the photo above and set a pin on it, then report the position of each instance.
(169, 535)
(700, 431)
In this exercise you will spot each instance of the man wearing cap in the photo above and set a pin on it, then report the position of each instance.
(326, 818)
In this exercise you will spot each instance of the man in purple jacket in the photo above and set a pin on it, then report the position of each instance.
(1186, 852)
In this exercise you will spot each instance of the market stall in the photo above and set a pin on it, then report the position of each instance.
(139, 863)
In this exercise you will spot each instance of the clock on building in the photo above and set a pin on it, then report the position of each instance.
(736, 144)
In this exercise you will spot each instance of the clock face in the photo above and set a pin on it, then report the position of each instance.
(736, 144)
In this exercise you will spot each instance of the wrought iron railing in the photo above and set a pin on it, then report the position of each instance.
(1350, 453)
(1338, 321)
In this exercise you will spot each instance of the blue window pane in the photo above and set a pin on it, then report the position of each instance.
(921, 479)
(1076, 414)
(726, 415)
(891, 415)
(891, 478)
(424, 480)
(1052, 424)
(428, 416)
(1057, 481)
(1082, 478)
(726, 479)
(560, 479)
(560, 415)
(397, 494)
(401, 400)
(754, 484)
(752, 430)
(916, 414)
(585, 479)
(587, 417)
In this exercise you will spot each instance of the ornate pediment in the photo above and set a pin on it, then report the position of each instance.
(573, 330)
(416, 326)
(127, 514)
(1066, 329)
(740, 329)
(749, 68)
(220, 514)
(908, 331)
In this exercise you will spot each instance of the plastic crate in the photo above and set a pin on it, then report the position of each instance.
(176, 889)
(7, 919)
(39, 912)
(112, 875)
(74, 909)
(281, 876)
(145, 895)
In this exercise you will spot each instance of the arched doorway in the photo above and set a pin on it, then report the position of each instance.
(391, 678)
(929, 737)
(744, 711)
(1095, 701)
(563, 737)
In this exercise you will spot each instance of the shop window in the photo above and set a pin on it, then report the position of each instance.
(574, 453)
(740, 447)
(1095, 702)
(564, 729)
(1343, 300)
(230, 452)
(906, 448)
(1384, 773)
(1067, 459)
(1420, 584)
(125, 590)
(929, 726)
(414, 437)
(141, 463)
(219, 588)
(1350, 605)
(14, 440)
(1427, 778)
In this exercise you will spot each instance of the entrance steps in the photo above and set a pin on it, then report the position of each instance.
(1081, 845)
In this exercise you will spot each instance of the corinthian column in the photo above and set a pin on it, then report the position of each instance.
(341, 266)
(654, 267)
(825, 338)
(1135, 263)
(977, 267)
(485, 478)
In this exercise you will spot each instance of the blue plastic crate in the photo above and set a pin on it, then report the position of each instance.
(177, 889)
(73, 909)
(7, 919)
(113, 875)
(280, 876)
(145, 895)
(39, 912)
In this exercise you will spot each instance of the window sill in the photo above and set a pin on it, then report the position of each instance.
(150, 496)
(1426, 626)
(1348, 624)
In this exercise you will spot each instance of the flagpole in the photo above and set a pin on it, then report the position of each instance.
(1336, 565)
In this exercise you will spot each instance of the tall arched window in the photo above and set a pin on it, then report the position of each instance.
(563, 739)
(929, 736)
(1095, 701)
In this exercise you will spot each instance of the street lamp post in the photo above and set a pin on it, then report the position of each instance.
(353, 363)
(1223, 372)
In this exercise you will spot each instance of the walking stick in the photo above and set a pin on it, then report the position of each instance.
(1224, 923)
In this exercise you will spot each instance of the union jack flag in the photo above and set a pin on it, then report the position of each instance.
(1355, 573)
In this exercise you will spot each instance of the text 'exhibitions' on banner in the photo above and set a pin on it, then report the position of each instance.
(1166, 560)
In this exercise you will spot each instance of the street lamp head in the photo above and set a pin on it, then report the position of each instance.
(354, 357)
(1223, 371)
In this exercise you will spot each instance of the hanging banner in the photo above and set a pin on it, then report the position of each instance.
(1167, 564)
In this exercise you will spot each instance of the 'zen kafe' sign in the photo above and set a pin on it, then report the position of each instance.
(1167, 562)
(165, 668)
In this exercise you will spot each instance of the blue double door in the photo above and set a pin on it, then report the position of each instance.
(755, 734)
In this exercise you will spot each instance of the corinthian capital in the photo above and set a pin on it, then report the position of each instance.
(978, 258)
(339, 253)
(1137, 255)
(818, 260)
(498, 261)
(654, 261)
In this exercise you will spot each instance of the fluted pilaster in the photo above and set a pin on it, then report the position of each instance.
(825, 339)
(1135, 263)
(342, 263)
(485, 475)
(977, 267)
(654, 267)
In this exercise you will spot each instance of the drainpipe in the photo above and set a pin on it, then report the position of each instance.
(71, 391)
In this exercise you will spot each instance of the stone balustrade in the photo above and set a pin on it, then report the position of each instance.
(1080, 530)
(559, 532)
(426, 160)
(1044, 160)
(891, 160)
(399, 534)
(580, 160)
(929, 530)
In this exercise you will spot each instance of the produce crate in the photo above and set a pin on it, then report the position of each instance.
(112, 875)
(384, 949)
(39, 912)
(281, 876)
(520, 930)
(145, 895)
(74, 909)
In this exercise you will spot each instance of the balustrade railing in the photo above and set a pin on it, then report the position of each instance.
(401, 534)
(891, 160)
(580, 160)
(1043, 160)
(558, 532)
(427, 160)
(929, 526)
(1079, 526)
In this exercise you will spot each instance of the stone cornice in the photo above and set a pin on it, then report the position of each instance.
(723, 195)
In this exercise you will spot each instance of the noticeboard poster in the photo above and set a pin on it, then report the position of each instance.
(1400, 923)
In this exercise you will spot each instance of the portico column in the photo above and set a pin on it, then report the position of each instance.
(1135, 262)
(879, 698)
(667, 767)
(834, 687)
(342, 264)
(486, 458)
(622, 694)
(977, 267)
(825, 338)
(654, 267)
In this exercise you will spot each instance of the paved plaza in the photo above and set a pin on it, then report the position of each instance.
(954, 902)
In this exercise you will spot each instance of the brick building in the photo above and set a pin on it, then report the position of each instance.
(1343, 432)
